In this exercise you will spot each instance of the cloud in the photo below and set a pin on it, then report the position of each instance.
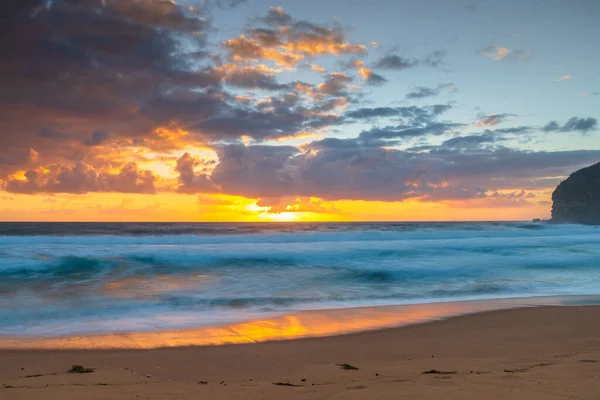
(192, 181)
(335, 84)
(393, 61)
(82, 178)
(470, 141)
(79, 72)
(574, 124)
(161, 13)
(250, 77)
(396, 62)
(19, 157)
(255, 171)
(95, 91)
(295, 204)
(504, 54)
(412, 114)
(422, 92)
(403, 132)
(98, 82)
(370, 77)
(277, 16)
(494, 119)
(345, 169)
(289, 42)
(563, 78)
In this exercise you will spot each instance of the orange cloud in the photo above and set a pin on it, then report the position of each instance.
(368, 75)
(317, 68)
(291, 42)
(83, 178)
(244, 49)
(493, 119)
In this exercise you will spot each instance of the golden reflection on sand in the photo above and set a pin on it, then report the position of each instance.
(300, 325)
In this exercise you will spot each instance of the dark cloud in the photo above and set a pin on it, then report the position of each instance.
(394, 133)
(163, 13)
(378, 112)
(256, 171)
(192, 181)
(434, 59)
(406, 131)
(276, 16)
(488, 139)
(19, 156)
(416, 115)
(97, 138)
(83, 178)
(415, 122)
(551, 126)
(335, 84)
(227, 3)
(421, 92)
(252, 78)
(79, 73)
(375, 79)
(86, 84)
(469, 141)
(516, 129)
(396, 62)
(87, 80)
(335, 169)
(574, 124)
(269, 120)
(475, 166)
(393, 61)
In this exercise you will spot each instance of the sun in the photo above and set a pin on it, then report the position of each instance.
(283, 216)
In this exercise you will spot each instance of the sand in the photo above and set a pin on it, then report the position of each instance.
(528, 353)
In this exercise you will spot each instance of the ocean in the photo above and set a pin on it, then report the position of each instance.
(82, 278)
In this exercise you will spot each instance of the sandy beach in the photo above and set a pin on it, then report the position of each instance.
(527, 353)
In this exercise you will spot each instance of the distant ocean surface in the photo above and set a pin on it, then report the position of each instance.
(76, 278)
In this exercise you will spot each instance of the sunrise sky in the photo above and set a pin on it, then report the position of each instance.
(233, 110)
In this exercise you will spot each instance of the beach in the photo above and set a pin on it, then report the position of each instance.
(543, 352)
(488, 310)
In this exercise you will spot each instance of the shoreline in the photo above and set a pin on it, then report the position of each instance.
(294, 326)
(545, 352)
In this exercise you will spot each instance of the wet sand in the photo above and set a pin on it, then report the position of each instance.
(526, 353)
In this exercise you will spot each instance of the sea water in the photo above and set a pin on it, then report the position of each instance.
(66, 279)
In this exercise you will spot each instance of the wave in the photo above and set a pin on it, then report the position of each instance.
(48, 281)
(152, 229)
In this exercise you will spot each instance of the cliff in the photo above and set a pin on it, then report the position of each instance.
(577, 199)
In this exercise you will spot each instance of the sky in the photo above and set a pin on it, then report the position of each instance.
(250, 110)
